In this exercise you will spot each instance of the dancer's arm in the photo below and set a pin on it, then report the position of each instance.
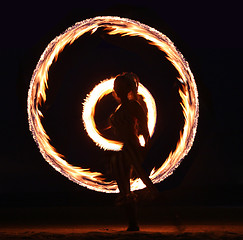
(139, 113)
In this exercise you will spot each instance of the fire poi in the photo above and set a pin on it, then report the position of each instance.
(37, 96)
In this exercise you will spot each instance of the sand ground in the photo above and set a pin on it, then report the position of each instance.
(73, 223)
(155, 232)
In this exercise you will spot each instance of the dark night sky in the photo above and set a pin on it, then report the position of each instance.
(208, 35)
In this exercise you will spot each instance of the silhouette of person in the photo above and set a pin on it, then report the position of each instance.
(129, 121)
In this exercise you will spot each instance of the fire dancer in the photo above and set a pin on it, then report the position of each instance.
(128, 122)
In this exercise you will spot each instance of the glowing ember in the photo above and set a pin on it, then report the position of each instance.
(121, 26)
(102, 89)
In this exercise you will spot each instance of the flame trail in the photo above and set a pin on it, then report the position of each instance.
(123, 27)
(100, 90)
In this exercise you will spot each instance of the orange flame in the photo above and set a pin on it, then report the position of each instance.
(37, 96)
(103, 88)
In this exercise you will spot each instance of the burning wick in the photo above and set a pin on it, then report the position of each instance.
(122, 27)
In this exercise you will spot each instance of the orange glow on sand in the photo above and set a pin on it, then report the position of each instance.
(122, 27)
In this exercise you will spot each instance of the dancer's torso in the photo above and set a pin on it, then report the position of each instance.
(126, 123)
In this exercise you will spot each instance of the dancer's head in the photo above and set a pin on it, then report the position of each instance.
(125, 84)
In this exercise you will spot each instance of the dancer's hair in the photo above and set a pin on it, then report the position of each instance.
(126, 83)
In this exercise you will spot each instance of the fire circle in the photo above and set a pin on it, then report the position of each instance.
(104, 88)
(122, 27)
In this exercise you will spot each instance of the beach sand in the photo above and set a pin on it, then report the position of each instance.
(105, 223)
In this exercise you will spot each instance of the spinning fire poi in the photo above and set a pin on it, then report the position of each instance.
(37, 96)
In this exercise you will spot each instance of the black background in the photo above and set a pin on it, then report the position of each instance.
(208, 35)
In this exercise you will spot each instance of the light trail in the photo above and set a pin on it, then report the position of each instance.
(122, 27)
(104, 88)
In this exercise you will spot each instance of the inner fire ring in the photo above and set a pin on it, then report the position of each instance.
(104, 88)
(122, 27)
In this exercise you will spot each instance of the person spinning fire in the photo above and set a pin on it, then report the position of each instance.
(127, 122)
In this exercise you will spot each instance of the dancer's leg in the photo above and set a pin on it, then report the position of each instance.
(135, 158)
(122, 171)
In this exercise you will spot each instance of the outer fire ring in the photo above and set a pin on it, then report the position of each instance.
(37, 96)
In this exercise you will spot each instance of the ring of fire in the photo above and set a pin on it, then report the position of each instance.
(122, 26)
(103, 88)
